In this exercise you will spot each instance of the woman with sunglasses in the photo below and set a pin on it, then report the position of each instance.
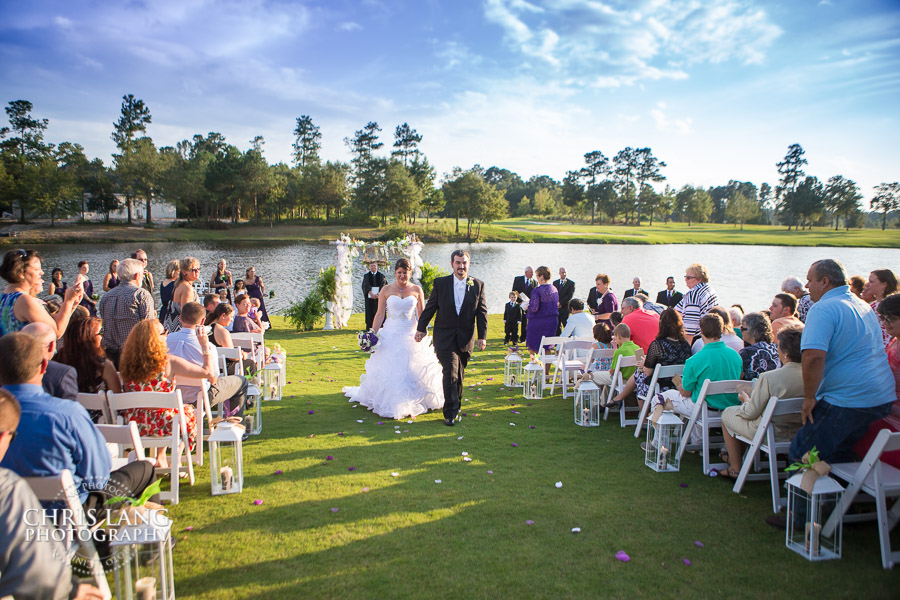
(184, 292)
(698, 299)
(19, 304)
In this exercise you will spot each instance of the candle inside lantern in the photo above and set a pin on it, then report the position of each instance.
(145, 588)
(586, 416)
(813, 535)
(663, 458)
(226, 474)
(534, 390)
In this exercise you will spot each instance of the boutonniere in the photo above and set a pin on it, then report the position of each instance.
(470, 282)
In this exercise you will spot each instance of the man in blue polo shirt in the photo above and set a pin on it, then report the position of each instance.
(847, 382)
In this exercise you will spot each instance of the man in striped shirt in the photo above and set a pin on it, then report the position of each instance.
(699, 298)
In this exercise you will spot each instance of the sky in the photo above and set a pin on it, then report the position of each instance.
(718, 90)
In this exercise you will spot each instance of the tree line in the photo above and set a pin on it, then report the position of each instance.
(209, 180)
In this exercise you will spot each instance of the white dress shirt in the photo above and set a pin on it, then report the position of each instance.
(459, 292)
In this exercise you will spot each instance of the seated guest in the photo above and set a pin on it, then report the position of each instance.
(54, 435)
(603, 338)
(146, 367)
(652, 306)
(889, 311)
(624, 347)
(220, 337)
(715, 361)
(255, 312)
(793, 286)
(579, 324)
(81, 350)
(730, 338)
(857, 284)
(124, 306)
(784, 382)
(736, 312)
(210, 301)
(191, 344)
(781, 312)
(760, 354)
(881, 283)
(644, 324)
(669, 348)
(29, 563)
(19, 305)
(615, 318)
(242, 321)
(60, 380)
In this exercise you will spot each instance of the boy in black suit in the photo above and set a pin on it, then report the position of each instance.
(512, 316)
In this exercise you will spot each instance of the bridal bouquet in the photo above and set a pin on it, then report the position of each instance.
(367, 341)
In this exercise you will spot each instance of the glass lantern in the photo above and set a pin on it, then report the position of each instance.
(533, 382)
(142, 555)
(807, 515)
(663, 441)
(587, 404)
(512, 370)
(226, 458)
(273, 382)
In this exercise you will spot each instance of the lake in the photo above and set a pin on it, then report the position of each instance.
(747, 275)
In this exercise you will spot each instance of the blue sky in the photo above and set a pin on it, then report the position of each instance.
(718, 90)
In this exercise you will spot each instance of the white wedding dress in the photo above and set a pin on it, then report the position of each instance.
(403, 377)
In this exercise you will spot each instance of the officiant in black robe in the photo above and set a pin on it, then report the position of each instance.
(373, 279)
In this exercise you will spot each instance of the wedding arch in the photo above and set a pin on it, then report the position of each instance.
(341, 306)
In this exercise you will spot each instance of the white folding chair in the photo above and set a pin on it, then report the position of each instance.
(224, 355)
(705, 419)
(617, 382)
(573, 358)
(168, 401)
(119, 438)
(764, 441)
(96, 402)
(202, 410)
(254, 344)
(659, 372)
(880, 481)
(546, 357)
(61, 488)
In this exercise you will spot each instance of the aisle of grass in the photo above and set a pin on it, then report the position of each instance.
(467, 537)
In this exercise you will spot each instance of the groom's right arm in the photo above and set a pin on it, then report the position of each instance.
(428, 312)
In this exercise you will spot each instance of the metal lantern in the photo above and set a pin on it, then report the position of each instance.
(273, 382)
(533, 388)
(142, 555)
(254, 421)
(226, 458)
(587, 404)
(807, 515)
(663, 440)
(512, 370)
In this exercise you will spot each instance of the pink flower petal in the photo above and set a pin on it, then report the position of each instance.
(365, 489)
(257, 502)
(620, 555)
(529, 522)
(188, 528)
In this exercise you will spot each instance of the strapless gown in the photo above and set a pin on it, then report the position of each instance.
(403, 377)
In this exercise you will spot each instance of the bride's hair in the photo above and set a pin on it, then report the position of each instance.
(402, 263)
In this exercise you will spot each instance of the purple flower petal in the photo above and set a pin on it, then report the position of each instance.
(380, 423)
(515, 445)
(463, 414)
(340, 433)
(278, 472)
(529, 522)
(683, 485)
(257, 502)
(312, 412)
(620, 555)
(335, 509)
(531, 427)
(351, 468)
(686, 562)
(698, 544)
(329, 458)
(490, 472)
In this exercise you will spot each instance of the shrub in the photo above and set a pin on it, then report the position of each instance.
(429, 273)
(305, 314)
(326, 286)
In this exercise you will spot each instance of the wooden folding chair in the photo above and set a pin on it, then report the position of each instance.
(168, 401)
(573, 358)
(659, 372)
(61, 488)
(96, 402)
(121, 438)
(706, 419)
(878, 480)
(764, 441)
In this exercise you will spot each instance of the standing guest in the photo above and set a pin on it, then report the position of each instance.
(760, 353)
(601, 300)
(857, 284)
(81, 350)
(781, 312)
(881, 283)
(167, 289)
(87, 300)
(242, 321)
(373, 282)
(123, 307)
(566, 289)
(29, 559)
(793, 285)
(669, 297)
(512, 316)
(731, 339)
(542, 311)
(60, 380)
(221, 279)
(147, 280)
(184, 292)
(524, 285)
(57, 285)
(239, 290)
(19, 305)
(111, 280)
(635, 289)
(698, 300)
(256, 289)
(644, 324)
(580, 323)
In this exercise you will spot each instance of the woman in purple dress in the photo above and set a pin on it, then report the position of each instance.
(543, 311)
(601, 300)
(255, 289)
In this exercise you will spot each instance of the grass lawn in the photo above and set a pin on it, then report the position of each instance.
(467, 537)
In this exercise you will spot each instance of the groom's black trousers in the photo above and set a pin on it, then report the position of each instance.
(454, 365)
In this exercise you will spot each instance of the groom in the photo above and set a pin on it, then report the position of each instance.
(459, 303)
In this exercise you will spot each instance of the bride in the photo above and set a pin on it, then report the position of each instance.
(403, 378)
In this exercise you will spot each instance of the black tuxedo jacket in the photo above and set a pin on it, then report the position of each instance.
(671, 302)
(60, 381)
(630, 292)
(452, 332)
(522, 286)
(369, 281)
(566, 293)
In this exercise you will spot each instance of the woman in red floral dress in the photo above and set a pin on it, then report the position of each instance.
(145, 366)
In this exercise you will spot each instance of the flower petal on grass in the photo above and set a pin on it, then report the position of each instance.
(312, 412)
(698, 544)
(515, 445)
(531, 427)
(683, 485)
(278, 472)
(576, 530)
(620, 555)
(437, 480)
(257, 502)
(351, 468)
(467, 458)
(465, 453)
(460, 437)
(365, 489)
(529, 522)
(395, 474)
(335, 509)
(558, 484)
(188, 528)
(490, 472)
(380, 423)
(686, 562)
(513, 424)
(359, 420)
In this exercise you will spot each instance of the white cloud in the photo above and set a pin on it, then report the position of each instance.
(665, 123)
(455, 54)
(349, 26)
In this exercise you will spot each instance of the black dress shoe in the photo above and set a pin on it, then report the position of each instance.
(449, 422)
(779, 521)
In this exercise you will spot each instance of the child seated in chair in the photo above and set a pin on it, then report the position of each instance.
(624, 347)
